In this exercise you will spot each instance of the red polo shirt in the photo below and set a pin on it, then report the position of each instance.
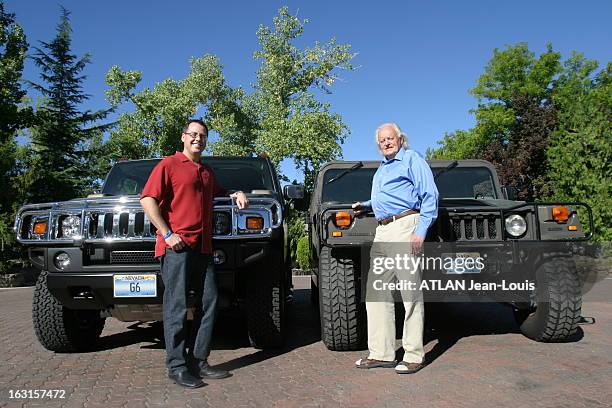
(184, 191)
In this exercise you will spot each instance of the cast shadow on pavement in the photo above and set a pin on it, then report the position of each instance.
(230, 333)
(447, 323)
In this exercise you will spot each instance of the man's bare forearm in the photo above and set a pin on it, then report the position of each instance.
(151, 208)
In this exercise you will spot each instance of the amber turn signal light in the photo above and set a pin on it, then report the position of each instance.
(40, 227)
(254, 223)
(560, 213)
(572, 227)
(336, 234)
(342, 219)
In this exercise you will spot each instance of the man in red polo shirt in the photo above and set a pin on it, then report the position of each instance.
(178, 199)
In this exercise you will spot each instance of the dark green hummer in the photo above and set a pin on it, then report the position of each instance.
(96, 254)
(519, 241)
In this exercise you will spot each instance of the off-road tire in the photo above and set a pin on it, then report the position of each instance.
(559, 302)
(265, 305)
(61, 329)
(343, 317)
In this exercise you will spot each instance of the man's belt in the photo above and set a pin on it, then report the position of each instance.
(406, 213)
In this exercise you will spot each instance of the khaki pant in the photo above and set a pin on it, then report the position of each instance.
(381, 314)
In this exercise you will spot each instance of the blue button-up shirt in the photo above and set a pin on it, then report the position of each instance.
(402, 183)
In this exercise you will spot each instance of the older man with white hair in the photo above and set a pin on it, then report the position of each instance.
(405, 203)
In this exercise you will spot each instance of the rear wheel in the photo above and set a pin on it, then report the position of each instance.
(343, 318)
(265, 304)
(559, 302)
(59, 328)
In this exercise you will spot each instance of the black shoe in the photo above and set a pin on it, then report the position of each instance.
(185, 379)
(206, 371)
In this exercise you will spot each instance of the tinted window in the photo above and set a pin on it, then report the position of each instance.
(246, 174)
(352, 187)
(129, 177)
(460, 182)
(466, 182)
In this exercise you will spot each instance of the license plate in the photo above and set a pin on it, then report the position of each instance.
(135, 285)
(462, 262)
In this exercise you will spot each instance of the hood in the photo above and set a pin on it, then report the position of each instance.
(478, 202)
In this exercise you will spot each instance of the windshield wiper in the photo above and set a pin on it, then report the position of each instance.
(345, 172)
(447, 168)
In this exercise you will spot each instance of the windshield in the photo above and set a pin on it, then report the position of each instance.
(459, 182)
(240, 173)
(352, 187)
(465, 182)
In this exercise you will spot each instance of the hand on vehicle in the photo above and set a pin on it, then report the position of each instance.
(241, 199)
(358, 208)
(175, 242)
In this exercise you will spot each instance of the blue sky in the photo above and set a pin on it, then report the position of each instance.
(417, 60)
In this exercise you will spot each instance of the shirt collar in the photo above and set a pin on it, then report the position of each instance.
(181, 156)
(399, 156)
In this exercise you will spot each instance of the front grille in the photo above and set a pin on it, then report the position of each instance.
(480, 232)
(476, 227)
(132, 224)
(132, 257)
(469, 232)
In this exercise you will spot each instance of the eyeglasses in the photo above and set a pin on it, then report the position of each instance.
(193, 135)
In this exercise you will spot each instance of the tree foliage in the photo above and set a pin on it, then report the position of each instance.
(580, 151)
(289, 122)
(545, 124)
(514, 119)
(154, 127)
(65, 141)
(13, 118)
(281, 117)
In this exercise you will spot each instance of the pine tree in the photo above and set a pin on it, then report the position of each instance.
(62, 165)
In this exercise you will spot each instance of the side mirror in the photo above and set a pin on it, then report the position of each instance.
(509, 192)
(293, 191)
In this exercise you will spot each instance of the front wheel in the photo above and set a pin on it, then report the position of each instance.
(59, 328)
(559, 302)
(343, 315)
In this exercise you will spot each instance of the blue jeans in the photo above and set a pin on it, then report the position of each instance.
(183, 271)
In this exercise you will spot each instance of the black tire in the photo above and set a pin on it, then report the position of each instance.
(559, 302)
(265, 305)
(314, 293)
(343, 317)
(59, 328)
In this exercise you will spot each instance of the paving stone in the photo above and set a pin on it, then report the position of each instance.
(469, 366)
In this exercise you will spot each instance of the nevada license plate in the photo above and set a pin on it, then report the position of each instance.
(135, 285)
(462, 262)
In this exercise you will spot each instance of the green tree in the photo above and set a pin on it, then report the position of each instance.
(514, 119)
(13, 118)
(281, 117)
(290, 121)
(152, 129)
(546, 125)
(580, 151)
(61, 164)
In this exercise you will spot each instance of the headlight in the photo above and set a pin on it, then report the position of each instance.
(71, 226)
(221, 223)
(61, 260)
(219, 257)
(516, 225)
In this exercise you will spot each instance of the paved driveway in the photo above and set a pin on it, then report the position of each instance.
(477, 358)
